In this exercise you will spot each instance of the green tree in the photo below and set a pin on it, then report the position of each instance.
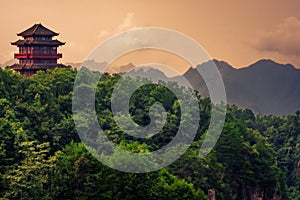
(32, 178)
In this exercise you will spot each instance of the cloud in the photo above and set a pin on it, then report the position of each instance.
(103, 33)
(284, 39)
(127, 23)
(124, 26)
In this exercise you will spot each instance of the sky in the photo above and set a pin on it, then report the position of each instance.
(238, 32)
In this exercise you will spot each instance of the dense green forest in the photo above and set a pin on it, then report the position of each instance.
(42, 157)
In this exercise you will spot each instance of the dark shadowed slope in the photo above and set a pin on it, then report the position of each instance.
(265, 86)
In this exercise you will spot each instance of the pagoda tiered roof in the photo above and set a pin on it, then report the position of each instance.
(38, 42)
(37, 30)
(37, 50)
(19, 67)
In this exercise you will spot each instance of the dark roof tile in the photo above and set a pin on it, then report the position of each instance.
(38, 42)
(37, 30)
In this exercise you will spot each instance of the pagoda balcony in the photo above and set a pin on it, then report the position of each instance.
(34, 55)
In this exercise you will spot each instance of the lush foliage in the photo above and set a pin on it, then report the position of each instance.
(41, 156)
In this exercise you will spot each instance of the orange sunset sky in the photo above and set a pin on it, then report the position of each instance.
(239, 32)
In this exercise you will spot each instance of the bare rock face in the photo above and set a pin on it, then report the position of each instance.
(211, 194)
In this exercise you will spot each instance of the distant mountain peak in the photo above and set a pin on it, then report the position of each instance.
(268, 63)
(266, 60)
(221, 62)
(124, 68)
(221, 65)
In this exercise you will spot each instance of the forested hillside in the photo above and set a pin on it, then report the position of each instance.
(42, 157)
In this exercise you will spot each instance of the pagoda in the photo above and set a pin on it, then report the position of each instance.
(37, 50)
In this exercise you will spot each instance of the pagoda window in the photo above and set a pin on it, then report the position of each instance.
(22, 49)
(43, 38)
(53, 50)
(45, 50)
(36, 50)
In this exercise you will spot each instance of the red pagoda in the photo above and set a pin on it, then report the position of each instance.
(37, 50)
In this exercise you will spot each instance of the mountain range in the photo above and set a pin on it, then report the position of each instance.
(266, 87)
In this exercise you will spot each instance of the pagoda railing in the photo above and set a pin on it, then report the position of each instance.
(34, 55)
